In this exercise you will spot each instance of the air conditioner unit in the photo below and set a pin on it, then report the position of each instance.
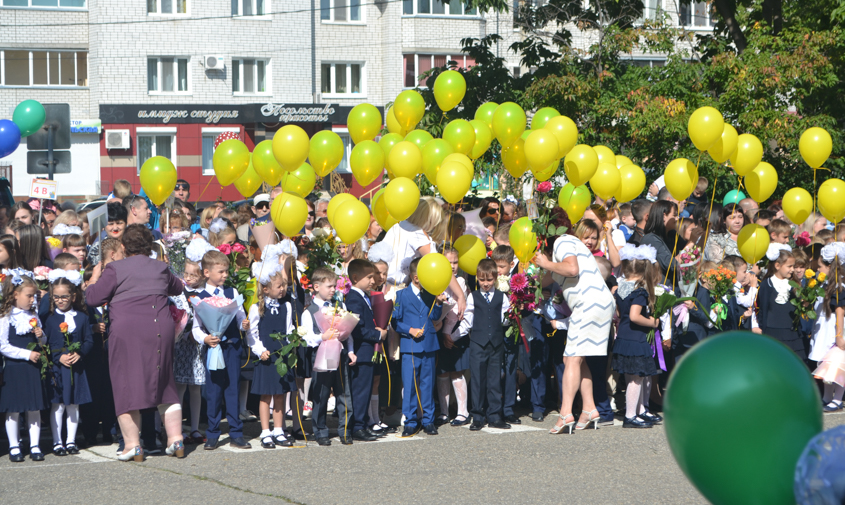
(214, 62)
(117, 139)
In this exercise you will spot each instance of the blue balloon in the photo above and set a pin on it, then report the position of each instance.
(733, 197)
(10, 137)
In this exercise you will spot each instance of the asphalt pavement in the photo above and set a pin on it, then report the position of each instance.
(610, 465)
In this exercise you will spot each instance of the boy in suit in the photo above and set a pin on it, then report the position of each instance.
(365, 336)
(504, 258)
(415, 313)
(487, 309)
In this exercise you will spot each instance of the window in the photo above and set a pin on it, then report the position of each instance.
(250, 7)
(639, 62)
(694, 15)
(167, 7)
(208, 136)
(341, 11)
(652, 10)
(168, 75)
(156, 142)
(250, 76)
(415, 65)
(344, 167)
(43, 68)
(437, 7)
(46, 4)
(342, 79)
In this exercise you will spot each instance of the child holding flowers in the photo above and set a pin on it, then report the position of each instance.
(69, 336)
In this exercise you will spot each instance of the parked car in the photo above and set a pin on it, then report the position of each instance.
(91, 205)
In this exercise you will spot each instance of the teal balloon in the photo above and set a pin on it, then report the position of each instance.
(29, 115)
(733, 197)
(740, 408)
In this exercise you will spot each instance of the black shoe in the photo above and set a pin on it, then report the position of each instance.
(537, 417)
(364, 436)
(430, 429)
(441, 420)
(409, 432)
(72, 449)
(325, 441)
(59, 450)
(281, 440)
(240, 443)
(36, 456)
(652, 418)
(16, 458)
(476, 426)
(499, 425)
(460, 422)
(345, 440)
(389, 429)
(512, 419)
(633, 422)
(267, 442)
(377, 434)
(210, 444)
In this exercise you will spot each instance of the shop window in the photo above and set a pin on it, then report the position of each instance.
(156, 142)
(44, 68)
(168, 75)
(208, 137)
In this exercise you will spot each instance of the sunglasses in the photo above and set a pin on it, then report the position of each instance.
(492, 211)
(181, 187)
(312, 214)
(263, 205)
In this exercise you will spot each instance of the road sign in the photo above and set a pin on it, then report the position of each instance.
(58, 116)
(44, 189)
(36, 162)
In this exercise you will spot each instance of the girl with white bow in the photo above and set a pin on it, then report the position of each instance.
(775, 312)
(69, 336)
(827, 346)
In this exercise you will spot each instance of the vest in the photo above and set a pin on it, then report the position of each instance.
(273, 323)
(22, 340)
(487, 319)
(313, 309)
(232, 333)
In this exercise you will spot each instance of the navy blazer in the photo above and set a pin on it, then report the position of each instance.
(365, 336)
(411, 312)
(698, 319)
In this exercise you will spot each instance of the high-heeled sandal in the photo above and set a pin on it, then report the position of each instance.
(590, 419)
(559, 429)
(136, 454)
(177, 449)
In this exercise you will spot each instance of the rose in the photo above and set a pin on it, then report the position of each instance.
(238, 248)
(822, 277)
(802, 239)
(63, 327)
(503, 283)
(42, 271)
(809, 273)
(33, 322)
(544, 187)
(225, 249)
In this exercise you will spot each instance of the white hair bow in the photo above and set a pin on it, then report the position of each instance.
(380, 251)
(265, 270)
(773, 252)
(62, 229)
(217, 225)
(831, 251)
(287, 246)
(197, 249)
(73, 276)
(17, 275)
(643, 252)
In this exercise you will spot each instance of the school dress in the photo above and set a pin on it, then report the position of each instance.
(776, 315)
(298, 300)
(455, 359)
(188, 365)
(276, 319)
(79, 328)
(23, 391)
(632, 354)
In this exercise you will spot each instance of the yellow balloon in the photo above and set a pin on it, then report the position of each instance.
(463, 159)
(566, 133)
(386, 142)
(230, 160)
(548, 172)
(761, 182)
(580, 164)
(265, 163)
(797, 205)
(158, 178)
(753, 242)
(832, 199)
(485, 113)
(681, 177)
(366, 162)
(460, 135)
(523, 240)
(405, 159)
(336, 201)
(705, 126)
(401, 196)
(483, 138)
(606, 181)
(419, 138)
(289, 213)
(722, 150)
(748, 154)
(453, 181)
(301, 181)
(433, 155)
(621, 161)
(393, 125)
(471, 250)
(290, 147)
(248, 184)
(605, 155)
(363, 122)
(513, 157)
(409, 108)
(385, 220)
(325, 152)
(542, 116)
(815, 146)
(631, 183)
(449, 89)
(574, 200)
(540, 149)
(434, 272)
(353, 219)
(508, 123)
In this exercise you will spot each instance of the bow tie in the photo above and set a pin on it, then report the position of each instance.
(273, 305)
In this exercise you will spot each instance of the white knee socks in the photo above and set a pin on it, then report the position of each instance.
(12, 431)
(33, 419)
(633, 395)
(57, 419)
(460, 385)
(443, 390)
(833, 393)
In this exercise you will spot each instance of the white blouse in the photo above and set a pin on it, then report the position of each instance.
(252, 338)
(20, 320)
(406, 239)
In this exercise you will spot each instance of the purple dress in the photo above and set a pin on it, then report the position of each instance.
(141, 334)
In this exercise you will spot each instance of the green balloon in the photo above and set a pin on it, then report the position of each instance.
(740, 408)
(733, 197)
(29, 115)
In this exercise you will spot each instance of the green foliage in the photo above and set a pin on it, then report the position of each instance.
(286, 357)
(44, 359)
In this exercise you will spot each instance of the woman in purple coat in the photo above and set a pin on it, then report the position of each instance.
(141, 339)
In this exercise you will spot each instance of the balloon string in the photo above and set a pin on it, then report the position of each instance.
(675, 248)
(707, 231)
(814, 207)
(203, 190)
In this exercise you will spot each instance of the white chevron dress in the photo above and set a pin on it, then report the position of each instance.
(587, 295)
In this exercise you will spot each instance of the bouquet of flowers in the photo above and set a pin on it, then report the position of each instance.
(287, 357)
(239, 276)
(720, 281)
(806, 296)
(216, 313)
(524, 291)
(689, 260)
(546, 202)
(41, 347)
(55, 246)
(333, 318)
(664, 302)
(322, 251)
(42, 277)
(176, 243)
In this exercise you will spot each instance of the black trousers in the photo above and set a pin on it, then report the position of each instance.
(485, 365)
(322, 383)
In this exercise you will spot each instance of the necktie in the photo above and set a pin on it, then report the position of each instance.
(487, 296)
(327, 304)
(216, 291)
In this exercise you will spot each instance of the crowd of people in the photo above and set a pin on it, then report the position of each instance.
(101, 330)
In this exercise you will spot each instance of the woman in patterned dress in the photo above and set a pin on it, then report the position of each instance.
(575, 269)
